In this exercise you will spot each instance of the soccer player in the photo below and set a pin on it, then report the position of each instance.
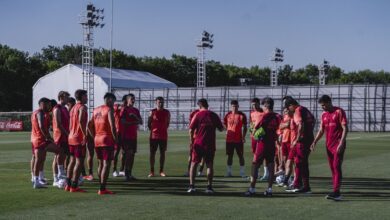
(105, 137)
(158, 123)
(77, 141)
(192, 114)
(41, 141)
(118, 147)
(236, 127)
(60, 135)
(302, 137)
(334, 125)
(205, 124)
(130, 119)
(254, 118)
(265, 149)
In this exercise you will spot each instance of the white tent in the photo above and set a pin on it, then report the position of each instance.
(70, 78)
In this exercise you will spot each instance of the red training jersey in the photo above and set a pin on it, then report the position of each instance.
(270, 123)
(234, 122)
(205, 122)
(286, 132)
(302, 116)
(117, 116)
(103, 133)
(255, 118)
(37, 138)
(192, 115)
(160, 122)
(130, 114)
(58, 136)
(76, 136)
(332, 123)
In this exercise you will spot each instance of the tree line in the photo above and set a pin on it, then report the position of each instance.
(20, 70)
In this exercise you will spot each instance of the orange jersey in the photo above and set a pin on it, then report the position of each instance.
(76, 136)
(103, 134)
(302, 116)
(117, 116)
(58, 136)
(37, 138)
(286, 132)
(234, 123)
(160, 123)
(255, 118)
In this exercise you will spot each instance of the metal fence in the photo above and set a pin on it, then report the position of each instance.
(367, 106)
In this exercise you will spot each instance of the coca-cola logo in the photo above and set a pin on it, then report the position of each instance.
(11, 125)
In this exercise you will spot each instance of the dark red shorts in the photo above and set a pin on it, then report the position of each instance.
(120, 142)
(286, 149)
(64, 146)
(230, 147)
(264, 151)
(78, 151)
(129, 145)
(156, 144)
(292, 153)
(42, 146)
(104, 153)
(199, 152)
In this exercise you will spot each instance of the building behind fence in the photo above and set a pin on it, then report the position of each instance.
(367, 106)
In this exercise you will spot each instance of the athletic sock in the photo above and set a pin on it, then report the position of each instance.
(75, 184)
(61, 171)
(36, 179)
(242, 169)
(55, 178)
(229, 169)
(41, 175)
(265, 171)
(252, 189)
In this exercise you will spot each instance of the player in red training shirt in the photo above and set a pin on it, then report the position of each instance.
(205, 124)
(192, 114)
(60, 136)
(130, 119)
(158, 123)
(119, 146)
(236, 127)
(334, 125)
(77, 140)
(41, 141)
(302, 137)
(266, 146)
(105, 137)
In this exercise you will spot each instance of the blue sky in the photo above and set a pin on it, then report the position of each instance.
(351, 34)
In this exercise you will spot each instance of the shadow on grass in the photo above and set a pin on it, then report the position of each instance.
(353, 189)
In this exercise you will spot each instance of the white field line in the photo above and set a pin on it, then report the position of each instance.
(378, 136)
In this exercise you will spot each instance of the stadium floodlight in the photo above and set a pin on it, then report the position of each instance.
(206, 41)
(323, 72)
(90, 19)
(277, 57)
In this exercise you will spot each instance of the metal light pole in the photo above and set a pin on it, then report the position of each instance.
(111, 39)
(277, 58)
(323, 71)
(205, 42)
(90, 19)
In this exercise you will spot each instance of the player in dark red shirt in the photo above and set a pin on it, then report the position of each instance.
(205, 124)
(266, 146)
(119, 147)
(130, 119)
(236, 127)
(334, 125)
(302, 137)
(158, 123)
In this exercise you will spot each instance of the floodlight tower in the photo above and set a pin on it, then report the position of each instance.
(90, 19)
(323, 72)
(205, 42)
(276, 58)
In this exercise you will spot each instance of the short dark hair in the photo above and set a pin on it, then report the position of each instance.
(79, 94)
(53, 102)
(290, 101)
(109, 95)
(268, 102)
(203, 103)
(160, 98)
(72, 100)
(124, 98)
(234, 102)
(256, 100)
(44, 100)
(62, 94)
(131, 95)
(287, 97)
(325, 99)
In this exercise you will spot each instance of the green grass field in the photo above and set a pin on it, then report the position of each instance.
(366, 187)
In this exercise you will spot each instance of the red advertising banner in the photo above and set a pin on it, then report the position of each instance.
(11, 126)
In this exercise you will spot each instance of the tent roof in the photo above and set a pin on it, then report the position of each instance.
(122, 78)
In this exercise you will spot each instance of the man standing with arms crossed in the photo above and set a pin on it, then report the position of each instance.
(334, 125)
(158, 123)
(236, 127)
(205, 123)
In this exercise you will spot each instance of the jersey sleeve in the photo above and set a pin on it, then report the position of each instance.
(218, 122)
(322, 125)
(244, 119)
(194, 123)
(342, 117)
(298, 116)
(225, 119)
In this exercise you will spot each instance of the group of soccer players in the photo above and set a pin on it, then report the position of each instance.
(282, 143)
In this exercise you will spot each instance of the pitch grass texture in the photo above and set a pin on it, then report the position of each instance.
(366, 187)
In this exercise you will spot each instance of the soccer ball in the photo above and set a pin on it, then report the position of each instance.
(61, 183)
